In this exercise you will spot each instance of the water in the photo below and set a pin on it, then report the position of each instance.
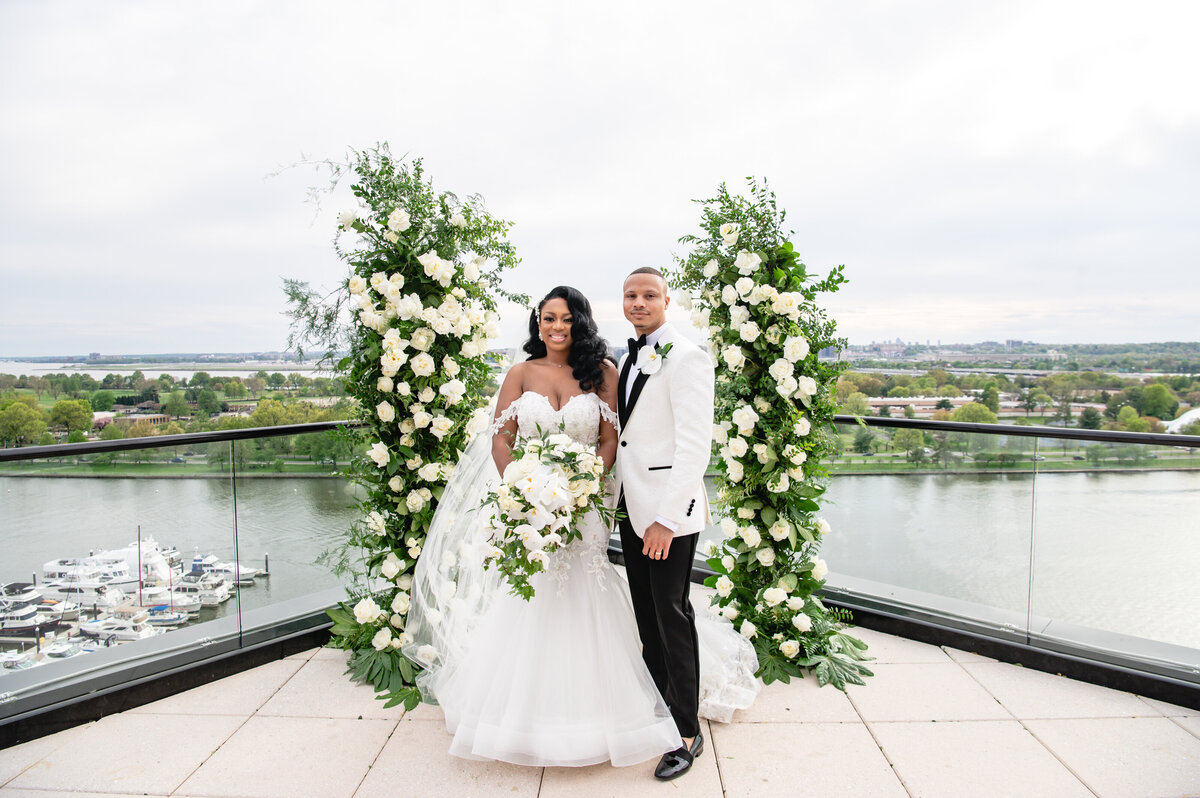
(1112, 551)
(153, 370)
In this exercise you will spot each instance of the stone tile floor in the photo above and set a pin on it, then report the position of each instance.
(933, 722)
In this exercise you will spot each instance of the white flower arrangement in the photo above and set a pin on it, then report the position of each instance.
(756, 301)
(549, 486)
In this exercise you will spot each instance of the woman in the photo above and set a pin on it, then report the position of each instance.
(557, 680)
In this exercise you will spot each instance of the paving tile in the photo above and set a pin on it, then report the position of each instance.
(322, 689)
(1035, 694)
(303, 655)
(273, 757)
(131, 753)
(979, 758)
(900, 691)
(1126, 757)
(10, 792)
(416, 755)
(239, 694)
(889, 648)
(336, 654)
(1172, 710)
(426, 712)
(958, 655)
(774, 759)
(18, 757)
(1190, 724)
(800, 701)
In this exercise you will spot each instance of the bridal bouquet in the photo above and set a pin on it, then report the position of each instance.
(549, 486)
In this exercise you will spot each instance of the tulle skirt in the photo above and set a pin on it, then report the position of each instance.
(558, 680)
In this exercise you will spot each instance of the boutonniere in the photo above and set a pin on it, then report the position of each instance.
(650, 359)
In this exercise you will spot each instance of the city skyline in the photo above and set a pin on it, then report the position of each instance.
(151, 204)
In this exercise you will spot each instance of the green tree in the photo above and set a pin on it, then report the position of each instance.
(176, 405)
(863, 439)
(1027, 402)
(112, 432)
(21, 425)
(856, 405)
(201, 379)
(73, 414)
(234, 389)
(991, 398)
(276, 380)
(944, 404)
(1096, 453)
(1090, 418)
(142, 428)
(885, 411)
(208, 402)
(912, 442)
(102, 401)
(77, 436)
(909, 412)
(974, 413)
(1158, 401)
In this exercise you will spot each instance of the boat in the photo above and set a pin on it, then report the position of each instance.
(20, 591)
(85, 593)
(121, 629)
(165, 596)
(22, 619)
(110, 570)
(61, 649)
(60, 609)
(234, 573)
(207, 595)
(166, 617)
(16, 660)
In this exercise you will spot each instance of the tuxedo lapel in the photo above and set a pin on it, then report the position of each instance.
(622, 410)
(638, 384)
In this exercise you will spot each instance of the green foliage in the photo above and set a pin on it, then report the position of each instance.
(775, 402)
(424, 270)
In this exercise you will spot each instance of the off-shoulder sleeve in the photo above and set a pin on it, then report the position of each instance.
(610, 416)
(506, 416)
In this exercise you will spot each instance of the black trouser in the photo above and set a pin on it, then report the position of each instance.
(666, 622)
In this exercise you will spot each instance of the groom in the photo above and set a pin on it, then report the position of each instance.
(665, 404)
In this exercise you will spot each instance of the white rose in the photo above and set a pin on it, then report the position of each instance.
(441, 325)
(781, 368)
(366, 611)
(765, 556)
(748, 629)
(749, 332)
(421, 419)
(724, 586)
(746, 262)
(738, 447)
(454, 390)
(795, 348)
(745, 418)
(422, 339)
(379, 453)
(780, 529)
(727, 562)
(802, 622)
(441, 426)
(400, 603)
(730, 611)
(823, 527)
(399, 220)
(820, 569)
(414, 501)
(711, 268)
(426, 395)
(382, 639)
(806, 386)
(391, 237)
(396, 484)
(386, 412)
(719, 435)
(384, 384)
(458, 220)
(710, 548)
(779, 483)
(744, 286)
(774, 596)
(734, 357)
(409, 307)
(390, 566)
(347, 218)
(729, 295)
(422, 365)
(397, 621)
(787, 303)
(700, 317)
(789, 648)
(730, 232)
(734, 470)
(786, 387)
(430, 472)
(728, 528)
(474, 269)
(450, 366)
(751, 535)
(427, 654)
(745, 513)
(803, 427)
(403, 388)
(357, 285)
(738, 315)
(376, 522)
(795, 603)
(404, 582)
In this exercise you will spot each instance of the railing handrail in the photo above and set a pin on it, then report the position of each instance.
(250, 433)
(1097, 435)
(165, 441)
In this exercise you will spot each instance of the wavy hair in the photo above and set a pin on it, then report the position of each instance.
(588, 349)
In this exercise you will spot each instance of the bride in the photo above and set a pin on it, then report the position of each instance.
(558, 680)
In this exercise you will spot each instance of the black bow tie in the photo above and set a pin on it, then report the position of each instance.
(635, 344)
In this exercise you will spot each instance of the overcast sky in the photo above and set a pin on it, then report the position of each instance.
(983, 170)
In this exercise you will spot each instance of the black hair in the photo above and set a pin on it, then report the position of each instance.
(588, 349)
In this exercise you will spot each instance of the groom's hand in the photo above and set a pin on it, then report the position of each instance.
(657, 541)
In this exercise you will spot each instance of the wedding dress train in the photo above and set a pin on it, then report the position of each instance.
(558, 680)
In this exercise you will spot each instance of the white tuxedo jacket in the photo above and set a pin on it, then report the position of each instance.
(666, 438)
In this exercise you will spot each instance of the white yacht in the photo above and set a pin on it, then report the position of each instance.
(122, 629)
(22, 619)
(234, 573)
(164, 596)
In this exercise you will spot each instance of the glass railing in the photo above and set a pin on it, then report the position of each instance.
(1082, 543)
(130, 558)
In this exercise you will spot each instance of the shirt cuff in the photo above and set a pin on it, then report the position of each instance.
(668, 523)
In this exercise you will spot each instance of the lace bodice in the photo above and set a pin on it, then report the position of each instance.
(580, 416)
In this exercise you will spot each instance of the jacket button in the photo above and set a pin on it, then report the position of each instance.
(624, 443)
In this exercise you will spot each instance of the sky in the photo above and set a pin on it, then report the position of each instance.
(984, 171)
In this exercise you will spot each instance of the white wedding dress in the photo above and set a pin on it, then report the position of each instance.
(557, 680)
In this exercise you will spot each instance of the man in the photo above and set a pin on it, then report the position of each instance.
(665, 403)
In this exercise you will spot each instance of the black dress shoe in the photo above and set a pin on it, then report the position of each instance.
(675, 763)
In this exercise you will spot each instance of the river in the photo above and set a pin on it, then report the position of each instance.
(1112, 551)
